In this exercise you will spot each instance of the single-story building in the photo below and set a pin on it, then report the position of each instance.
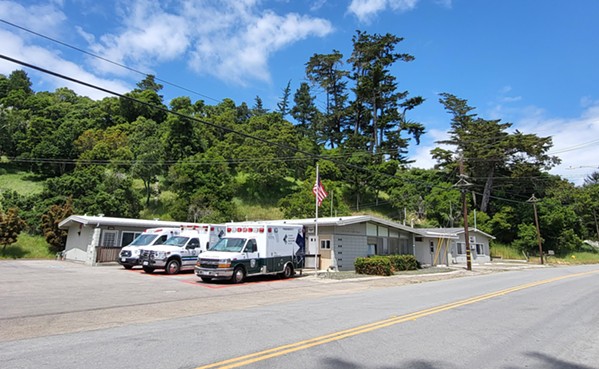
(85, 233)
(340, 240)
(435, 246)
(343, 239)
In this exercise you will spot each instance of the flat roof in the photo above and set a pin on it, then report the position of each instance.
(123, 222)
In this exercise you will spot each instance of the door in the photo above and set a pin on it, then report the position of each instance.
(254, 261)
(189, 255)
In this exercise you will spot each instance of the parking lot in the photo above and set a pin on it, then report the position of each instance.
(46, 297)
(42, 297)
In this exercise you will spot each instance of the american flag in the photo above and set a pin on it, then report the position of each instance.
(319, 191)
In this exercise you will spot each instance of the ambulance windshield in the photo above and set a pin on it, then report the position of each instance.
(229, 245)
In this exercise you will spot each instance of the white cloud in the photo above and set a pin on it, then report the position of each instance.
(422, 153)
(15, 47)
(445, 3)
(232, 41)
(575, 140)
(238, 46)
(44, 19)
(150, 35)
(365, 10)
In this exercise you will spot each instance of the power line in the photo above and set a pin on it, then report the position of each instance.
(105, 59)
(229, 130)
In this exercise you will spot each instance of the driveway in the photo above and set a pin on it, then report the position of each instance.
(45, 297)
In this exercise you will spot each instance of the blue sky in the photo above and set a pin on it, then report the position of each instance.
(532, 63)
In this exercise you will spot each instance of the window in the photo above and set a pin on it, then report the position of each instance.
(418, 239)
(480, 249)
(251, 246)
(461, 248)
(128, 237)
(325, 244)
(109, 238)
(160, 240)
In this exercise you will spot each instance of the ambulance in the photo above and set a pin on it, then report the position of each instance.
(180, 252)
(129, 255)
(251, 249)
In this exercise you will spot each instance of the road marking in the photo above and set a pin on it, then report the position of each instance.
(306, 344)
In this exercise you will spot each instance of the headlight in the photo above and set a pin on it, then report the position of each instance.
(160, 255)
(224, 263)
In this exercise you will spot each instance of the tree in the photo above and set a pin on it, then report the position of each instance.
(488, 150)
(202, 180)
(149, 106)
(305, 112)
(11, 226)
(149, 83)
(148, 153)
(377, 102)
(323, 70)
(283, 105)
(258, 108)
(55, 236)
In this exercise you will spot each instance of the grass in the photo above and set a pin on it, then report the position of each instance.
(258, 212)
(27, 247)
(24, 183)
(499, 251)
(575, 258)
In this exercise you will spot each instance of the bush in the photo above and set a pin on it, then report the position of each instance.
(385, 265)
(377, 265)
(404, 262)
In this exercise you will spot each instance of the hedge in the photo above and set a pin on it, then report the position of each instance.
(385, 265)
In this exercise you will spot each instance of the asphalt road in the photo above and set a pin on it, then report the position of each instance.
(63, 315)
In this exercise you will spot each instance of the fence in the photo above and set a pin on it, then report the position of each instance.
(107, 254)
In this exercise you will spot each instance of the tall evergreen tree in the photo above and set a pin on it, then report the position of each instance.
(488, 150)
(323, 70)
(377, 101)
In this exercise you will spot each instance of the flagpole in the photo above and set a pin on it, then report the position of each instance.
(316, 228)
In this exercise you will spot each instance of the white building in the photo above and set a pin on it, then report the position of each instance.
(435, 246)
(340, 240)
(109, 234)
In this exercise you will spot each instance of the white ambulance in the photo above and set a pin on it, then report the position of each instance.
(129, 255)
(181, 252)
(250, 249)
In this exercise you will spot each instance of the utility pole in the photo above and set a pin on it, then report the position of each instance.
(534, 201)
(463, 185)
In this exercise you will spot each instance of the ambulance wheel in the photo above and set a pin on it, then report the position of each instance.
(206, 279)
(287, 272)
(148, 270)
(238, 275)
(173, 266)
(128, 267)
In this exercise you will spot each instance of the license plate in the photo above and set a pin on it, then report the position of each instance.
(145, 263)
(123, 260)
(205, 272)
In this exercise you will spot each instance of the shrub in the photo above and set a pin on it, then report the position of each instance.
(377, 265)
(404, 262)
(385, 265)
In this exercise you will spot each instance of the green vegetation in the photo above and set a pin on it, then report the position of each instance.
(575, 258)
(385, 265)
(28, 247)
(499, 251)
(24, 183)
(143, 157)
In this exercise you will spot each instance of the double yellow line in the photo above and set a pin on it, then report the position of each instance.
(302, 345)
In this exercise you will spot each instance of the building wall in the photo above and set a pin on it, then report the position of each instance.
(77, 240)
(79, 236)
(433, 251)
(479, 249)
(358, 240)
